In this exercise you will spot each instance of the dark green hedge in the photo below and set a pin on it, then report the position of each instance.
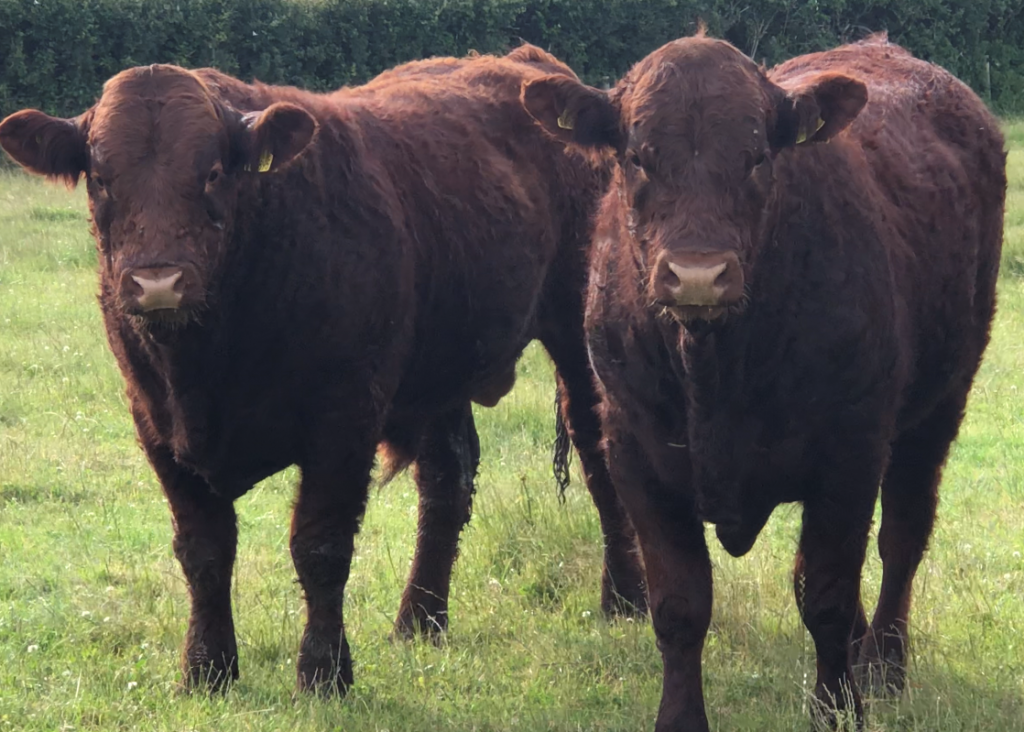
(55, 54)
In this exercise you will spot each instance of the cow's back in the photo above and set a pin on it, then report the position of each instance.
(494, 205)
(489, 220)
(934, 154)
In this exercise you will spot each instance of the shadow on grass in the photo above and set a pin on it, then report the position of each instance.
(54, 214)
(33, 494)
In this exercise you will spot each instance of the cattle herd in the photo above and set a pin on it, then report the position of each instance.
(757, 287)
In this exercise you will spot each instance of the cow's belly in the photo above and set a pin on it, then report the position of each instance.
(465, 361)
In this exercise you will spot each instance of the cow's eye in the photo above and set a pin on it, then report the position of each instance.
(755, 161)
(634, 160)
(214, 177)
(99, 190)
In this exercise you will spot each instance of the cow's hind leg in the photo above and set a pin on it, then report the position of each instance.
(331, 502)
(205, 535)
(833, 542)
(909, 499)
(623, 589)
(446, 465)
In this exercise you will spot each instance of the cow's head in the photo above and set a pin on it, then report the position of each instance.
(164, 159)
(696, 128)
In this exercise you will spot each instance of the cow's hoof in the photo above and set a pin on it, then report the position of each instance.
(623, 593)
(417, 622)
(324, 668)
(881, 669)
(205, 671)
(631, 605)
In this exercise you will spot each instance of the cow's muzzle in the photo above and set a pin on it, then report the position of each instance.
(154, 290)
(697, 285)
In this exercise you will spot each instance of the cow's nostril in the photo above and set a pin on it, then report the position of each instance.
(670, 279)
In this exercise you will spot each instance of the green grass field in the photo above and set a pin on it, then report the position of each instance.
(93, 605)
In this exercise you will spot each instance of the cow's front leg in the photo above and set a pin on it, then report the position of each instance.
(910, 494)
(679, 587)
(331, 501)
(827, 587)
(205, 534)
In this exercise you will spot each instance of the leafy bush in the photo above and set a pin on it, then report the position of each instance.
(56, 54)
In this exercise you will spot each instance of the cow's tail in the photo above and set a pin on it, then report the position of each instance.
(562, 452)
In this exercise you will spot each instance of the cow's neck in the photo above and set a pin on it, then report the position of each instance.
(725, 430)
(729, 375)
(180, 387)
(193, 363)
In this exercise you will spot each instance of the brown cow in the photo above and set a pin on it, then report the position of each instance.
(291, 278)
(791, 288)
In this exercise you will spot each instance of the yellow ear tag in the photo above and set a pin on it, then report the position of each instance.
(266, 160)
(565, 121)
(803, 136)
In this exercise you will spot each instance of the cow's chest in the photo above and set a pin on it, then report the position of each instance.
(753, 409)
(746, 449)
(233, 433)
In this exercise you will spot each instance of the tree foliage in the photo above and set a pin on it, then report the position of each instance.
(56, 54)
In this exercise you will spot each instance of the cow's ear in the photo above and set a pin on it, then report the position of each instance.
(818, 110)
(573, 112)
(277, 135)
(45, 145)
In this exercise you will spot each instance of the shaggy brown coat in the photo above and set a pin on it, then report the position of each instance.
(294, 278)
(791, 289)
